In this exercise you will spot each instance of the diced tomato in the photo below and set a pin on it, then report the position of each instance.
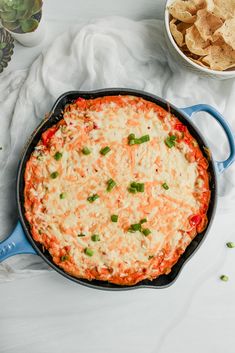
(195, 220)
(187, 140)
(48, 134)
(80, 99)
(180, 127)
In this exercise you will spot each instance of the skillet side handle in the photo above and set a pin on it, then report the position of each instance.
(15, 243)
(189, 111)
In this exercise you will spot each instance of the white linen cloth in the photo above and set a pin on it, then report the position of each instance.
(110, 52)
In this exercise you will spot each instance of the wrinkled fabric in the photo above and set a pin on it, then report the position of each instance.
(110, 52)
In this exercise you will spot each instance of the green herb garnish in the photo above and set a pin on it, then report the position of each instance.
(95, 237)
(143, 220)
(170, 141)
(224, 278)
(81, 235)
(54, 175)
(62, 195)
(132, 140)
(165, 186)
(58, 156)
(105, 150)
(92, 198)
(230, 245)
(136, 187)
(135, 227)
(64, 258)
(146, 231)
(88, 252)
(114, 218)
(86, 151)
(110, 184)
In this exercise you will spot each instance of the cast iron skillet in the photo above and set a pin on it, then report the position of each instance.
(21, 241)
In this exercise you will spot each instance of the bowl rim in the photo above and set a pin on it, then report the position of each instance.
(201, 68)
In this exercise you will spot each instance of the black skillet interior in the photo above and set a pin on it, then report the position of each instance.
(55, 115)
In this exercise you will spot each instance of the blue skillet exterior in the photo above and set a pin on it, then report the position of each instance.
(21, 241)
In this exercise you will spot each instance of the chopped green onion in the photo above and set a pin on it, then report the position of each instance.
(170, 141)
(224, 278)
(81, 235)
(105, 150)
(54, 175)
(92, 198)
(144, 138)
(140, 187)
(165, 186)
(132, 190)
(144, 220)
(151, 257)
(95, 237)
(62, 195)
(110, 184)
(136, 187)
(86, 151)
(146, 231)
(58, 156)
(64, 258)
(132, 140)
(135, 227)
(114, 218)
(131, 137)
(230, 245)
(88, 252)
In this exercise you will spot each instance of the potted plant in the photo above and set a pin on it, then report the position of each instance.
(6, 48)
(23, 19)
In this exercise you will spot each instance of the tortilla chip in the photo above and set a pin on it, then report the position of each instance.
(178, 36)
(195, 43)
(182, 27)
(220, 57)
(183, 10)
(200, 4)
(207, 23)
(227, 32)
(198, 62)
(224, 9)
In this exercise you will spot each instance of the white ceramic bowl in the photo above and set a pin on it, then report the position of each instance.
(181, 58)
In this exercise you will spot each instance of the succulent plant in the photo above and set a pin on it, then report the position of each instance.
(6, 48)
(20, 16)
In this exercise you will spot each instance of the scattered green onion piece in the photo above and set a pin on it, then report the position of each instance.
(224, 278)
(88, 252)
(170, 141)
(64, 258)
(146, 231)
(135, 227)
(62, 195)
(114, 218)
(95, 237)
(230, 245)
(86, 151)
(144, 138)
(58, 156)
(165, 186)
(92, 198)
(132, 190)
(131, 137)
(81, 235)
(134, 185)
(140, 187)
(144, 220)
(105, 150)
(110, 184)
(54, 175)
(151, 257)
(131, 142)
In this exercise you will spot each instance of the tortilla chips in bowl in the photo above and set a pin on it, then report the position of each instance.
(201, 35)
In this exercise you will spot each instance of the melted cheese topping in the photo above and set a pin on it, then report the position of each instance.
(56, 190)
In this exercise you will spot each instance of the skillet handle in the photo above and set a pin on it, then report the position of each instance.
(15, 243)
(189, 111)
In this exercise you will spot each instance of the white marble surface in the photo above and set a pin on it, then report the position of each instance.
(47, 313)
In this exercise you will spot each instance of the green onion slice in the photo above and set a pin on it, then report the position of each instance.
(54, 175)
(105, 150)
(89, 252)
(95, 237)
(86, 151)
(114, 218)
(92, 198)
(146, 231)
(170, 141)
(165, 186)
(58, 156)
(110, 184)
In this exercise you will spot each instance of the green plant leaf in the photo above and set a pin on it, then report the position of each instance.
(1, 54)
(29, 25)
(36, 7)
(11, 26)
(9, 16)
(3, 45)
